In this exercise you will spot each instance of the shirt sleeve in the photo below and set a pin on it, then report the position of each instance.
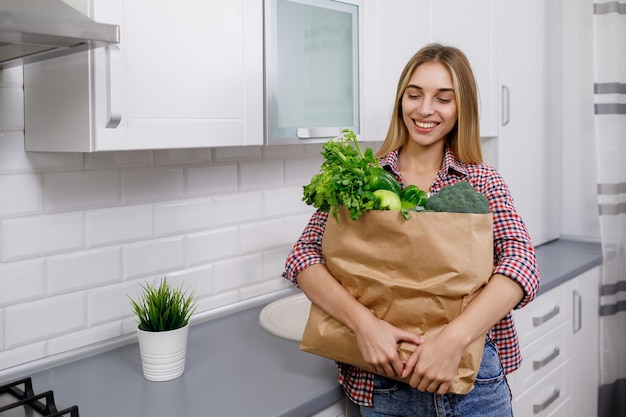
(514, 253)
(307, 250)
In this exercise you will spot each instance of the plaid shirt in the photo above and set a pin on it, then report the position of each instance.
(514, 257)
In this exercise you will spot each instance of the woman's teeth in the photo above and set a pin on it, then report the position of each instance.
(425, 125)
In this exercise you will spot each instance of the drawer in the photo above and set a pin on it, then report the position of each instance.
(548, 397)
(543, 356)
(543, 314)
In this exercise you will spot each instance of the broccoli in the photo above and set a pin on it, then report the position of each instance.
(460, 197)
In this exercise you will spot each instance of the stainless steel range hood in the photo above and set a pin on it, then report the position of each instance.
(35, 30)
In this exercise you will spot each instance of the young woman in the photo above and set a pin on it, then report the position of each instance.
(433, 140)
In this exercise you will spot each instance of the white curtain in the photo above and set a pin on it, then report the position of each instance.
(610, 137)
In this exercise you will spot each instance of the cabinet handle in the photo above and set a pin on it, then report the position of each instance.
(543, 362)
(540, 320)
(114, 81)
(318, 132)
(537, 408)
(578, 308)
(506, 103)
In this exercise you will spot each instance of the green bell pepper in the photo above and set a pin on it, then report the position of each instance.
(381, 179)
(413, 196)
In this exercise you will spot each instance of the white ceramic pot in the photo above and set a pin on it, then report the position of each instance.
(163, 353)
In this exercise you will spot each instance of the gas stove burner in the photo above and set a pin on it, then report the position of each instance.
(18, 399)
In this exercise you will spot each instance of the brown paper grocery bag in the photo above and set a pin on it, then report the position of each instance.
(417, 274)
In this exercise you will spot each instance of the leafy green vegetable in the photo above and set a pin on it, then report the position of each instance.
(460, 197)
(344, 176)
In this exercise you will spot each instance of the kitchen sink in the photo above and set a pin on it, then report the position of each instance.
(286, 317)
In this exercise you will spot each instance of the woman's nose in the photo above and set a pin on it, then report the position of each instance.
(425, 108)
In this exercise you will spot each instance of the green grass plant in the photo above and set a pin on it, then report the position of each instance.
(163, 307)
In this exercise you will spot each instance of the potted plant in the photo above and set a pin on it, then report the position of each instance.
(162, 313)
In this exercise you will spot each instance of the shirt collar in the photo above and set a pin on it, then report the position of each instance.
(450, 165)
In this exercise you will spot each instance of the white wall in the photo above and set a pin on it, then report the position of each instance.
(78, 232)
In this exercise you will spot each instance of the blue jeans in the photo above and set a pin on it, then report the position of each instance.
(490, 397)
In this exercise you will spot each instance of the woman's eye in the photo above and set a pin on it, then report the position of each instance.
(444, 100)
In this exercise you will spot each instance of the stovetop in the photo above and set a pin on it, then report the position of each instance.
(17, 399)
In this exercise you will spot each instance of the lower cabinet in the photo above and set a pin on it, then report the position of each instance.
(558, 335)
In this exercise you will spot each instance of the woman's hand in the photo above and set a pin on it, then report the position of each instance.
(434, 364)
(378, 341)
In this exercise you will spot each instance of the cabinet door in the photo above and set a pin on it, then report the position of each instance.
(528, 143)
(585, 343)
(472, 27)
(393, 32)
(187, 74)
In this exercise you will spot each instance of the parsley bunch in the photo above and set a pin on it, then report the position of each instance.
(343, 178)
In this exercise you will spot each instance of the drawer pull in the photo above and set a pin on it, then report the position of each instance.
(537, 408)
(543, 362)
(540, 320)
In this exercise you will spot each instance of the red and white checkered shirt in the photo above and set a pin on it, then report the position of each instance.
(514, 257)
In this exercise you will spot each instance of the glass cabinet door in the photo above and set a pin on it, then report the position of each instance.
(311, 70)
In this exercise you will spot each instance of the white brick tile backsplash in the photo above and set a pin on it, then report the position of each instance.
(281, 202)
(258, 175)
(237, 153)
(260, 236)
(283, 151)
(218, 300)
(211, 245)
(28, 200)
(178, 156)
(153, 256)
(238, 208)
(111, 302)
(237, 272)
(74, 190)
(294, 225)
(79, 231)
(42, 319)
(182, 216)
(118, 225)
(85, 337)
(12, 115)
(22, 281)
(126, 159)
(274, 262)
(84, 269)
(141, 185)
(211, 179)
(41, 235)
(260, 289)
(13, 159)
(199, 280)
(298, 172)
(24, 354)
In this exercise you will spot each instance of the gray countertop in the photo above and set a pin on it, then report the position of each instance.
(235, 368)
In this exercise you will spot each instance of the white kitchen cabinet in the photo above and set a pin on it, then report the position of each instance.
(472, 26)
(558, 334)
(529, 136)
(186, 74)
(395, 31)
(585, 343)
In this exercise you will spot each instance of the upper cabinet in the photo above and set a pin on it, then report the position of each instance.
(528, 143)
(395, 31)
(186, 74)
(313, 51)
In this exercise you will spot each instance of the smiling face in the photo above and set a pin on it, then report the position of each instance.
(429, 107)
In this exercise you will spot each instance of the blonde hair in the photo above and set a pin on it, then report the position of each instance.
(464, 138)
